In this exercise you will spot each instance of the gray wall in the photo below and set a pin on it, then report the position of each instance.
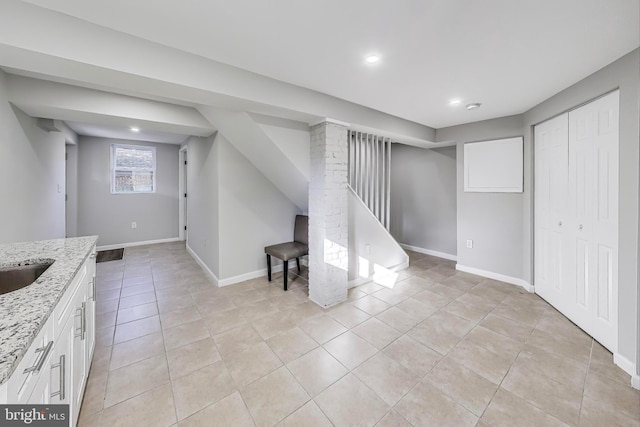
(110, 215)
(502, 224)
(423, 197)
(233, 210)
(32, 176)
(202, 201)
(492, 220)
(253, 214)
(625, 75)
(71, 204)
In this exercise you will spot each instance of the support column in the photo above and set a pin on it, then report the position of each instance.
(328, 214)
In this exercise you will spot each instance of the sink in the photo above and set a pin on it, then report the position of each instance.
(22, 274)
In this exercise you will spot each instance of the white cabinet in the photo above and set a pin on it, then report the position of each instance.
(56, 366)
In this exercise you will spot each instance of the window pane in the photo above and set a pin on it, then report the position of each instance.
(133, 158)
(133, 169)
(134, 181)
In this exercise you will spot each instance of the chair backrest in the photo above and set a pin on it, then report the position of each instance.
(301, 229)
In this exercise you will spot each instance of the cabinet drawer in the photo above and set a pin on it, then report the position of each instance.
(23, 380)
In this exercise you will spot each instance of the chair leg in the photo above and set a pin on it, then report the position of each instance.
(298, 262)
(269, 266)
(285, 272)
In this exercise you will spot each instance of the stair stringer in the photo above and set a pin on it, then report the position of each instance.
(374, 255)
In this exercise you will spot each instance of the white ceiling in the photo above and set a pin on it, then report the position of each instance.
(508, 55)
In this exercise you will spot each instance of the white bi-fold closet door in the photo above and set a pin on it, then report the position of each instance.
(576, 216)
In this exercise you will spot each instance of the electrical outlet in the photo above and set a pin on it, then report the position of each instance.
(134, 224)
(470, 244)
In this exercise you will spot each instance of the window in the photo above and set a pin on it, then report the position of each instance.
(133, 169)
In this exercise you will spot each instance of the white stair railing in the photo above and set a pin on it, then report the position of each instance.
(369, 172)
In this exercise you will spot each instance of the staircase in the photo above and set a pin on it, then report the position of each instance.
(374, 255)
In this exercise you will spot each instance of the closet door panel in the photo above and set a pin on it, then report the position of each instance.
(593, 176)
(550, 198)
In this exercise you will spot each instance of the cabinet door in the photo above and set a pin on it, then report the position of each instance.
(79, 352)
(41, 392)
(91, 307)
(60, 383)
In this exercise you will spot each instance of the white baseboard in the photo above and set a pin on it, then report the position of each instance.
(258, 273)
(143, 243)
(429, 252)
(204, 266)
(629, 367)
(497, 276)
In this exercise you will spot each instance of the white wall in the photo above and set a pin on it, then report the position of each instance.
(110, 215)
(423, 197)
(373, 252)
(202, 201)
(32, 176)
(253, 214)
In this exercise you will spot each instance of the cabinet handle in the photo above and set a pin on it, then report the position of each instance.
(44, 352)
(580, 227)
(62, 367)
(84, 319)
(78, 331)
(559, 223)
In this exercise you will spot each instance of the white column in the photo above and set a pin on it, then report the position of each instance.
(328, 214)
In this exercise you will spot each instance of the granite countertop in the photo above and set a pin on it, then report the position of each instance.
(23, 312)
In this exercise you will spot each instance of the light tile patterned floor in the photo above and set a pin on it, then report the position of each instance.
(440, 348)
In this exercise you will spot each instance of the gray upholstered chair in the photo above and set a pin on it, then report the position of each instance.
(286, 251)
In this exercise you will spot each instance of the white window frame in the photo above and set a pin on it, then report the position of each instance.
(113, 167)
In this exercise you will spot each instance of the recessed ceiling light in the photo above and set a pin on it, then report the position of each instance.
(372, 59)
(473, 106)
(134, 129)
(455, 102)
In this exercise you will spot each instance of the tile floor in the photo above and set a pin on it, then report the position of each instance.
(440, 348)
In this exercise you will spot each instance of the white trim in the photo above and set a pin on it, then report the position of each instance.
(627, 366)
(204, 266)
(497, 276)
(143, 243)
(362, 280)
(429, 252)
